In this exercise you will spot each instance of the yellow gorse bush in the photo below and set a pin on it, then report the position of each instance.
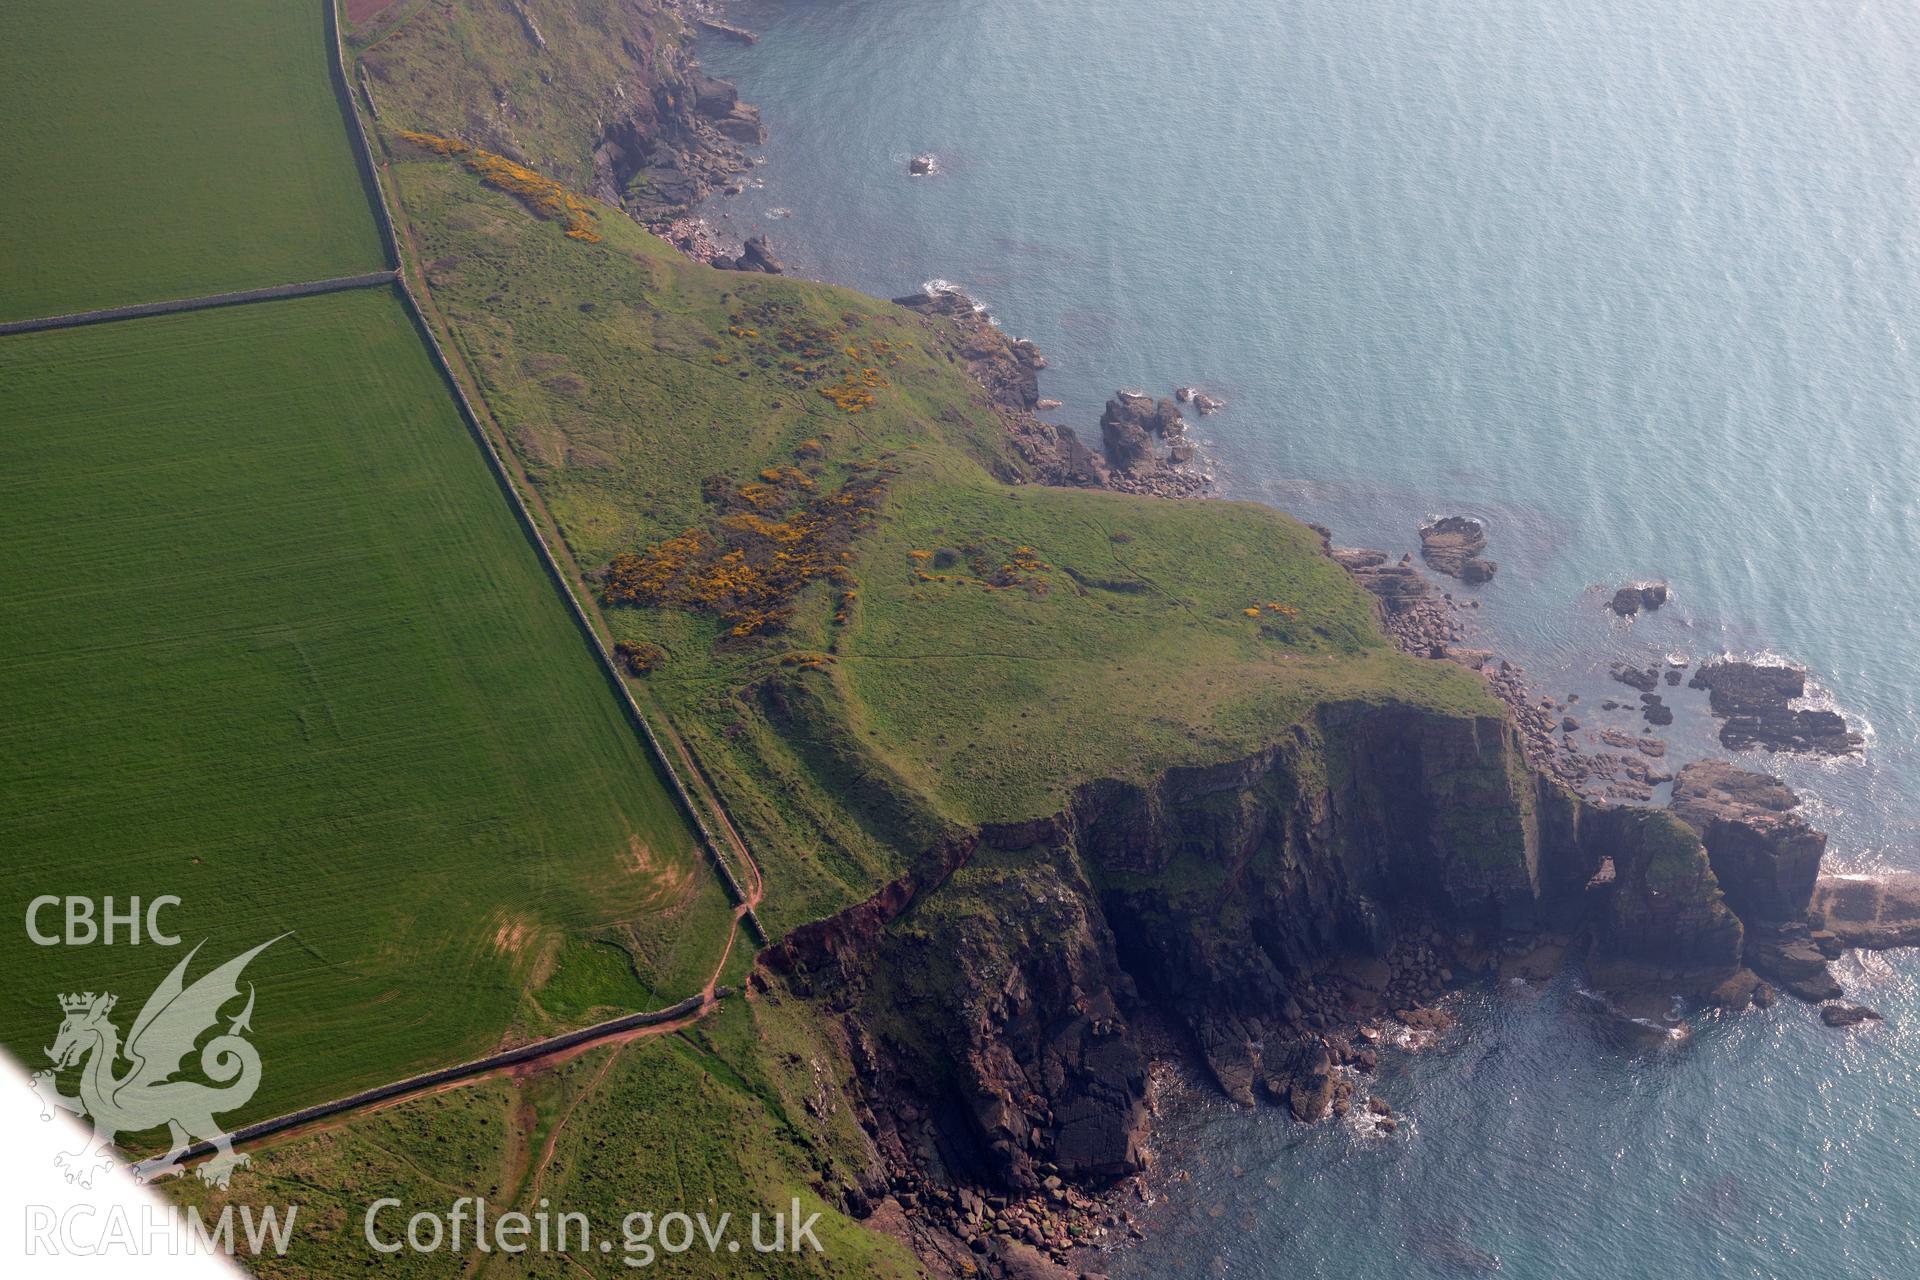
(540, 193)
(761, 550)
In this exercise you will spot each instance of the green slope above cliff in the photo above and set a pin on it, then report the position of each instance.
(926, 642)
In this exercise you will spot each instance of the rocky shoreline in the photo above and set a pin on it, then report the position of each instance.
(1145, 447)
(1428, 623)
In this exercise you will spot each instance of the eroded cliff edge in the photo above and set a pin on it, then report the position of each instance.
(604, 95)
(996, 993)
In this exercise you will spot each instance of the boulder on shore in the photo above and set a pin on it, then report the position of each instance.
(757, 255)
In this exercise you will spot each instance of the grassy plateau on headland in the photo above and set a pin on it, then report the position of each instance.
(983, 646)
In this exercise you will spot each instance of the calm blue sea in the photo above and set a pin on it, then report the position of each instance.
(1638, 283)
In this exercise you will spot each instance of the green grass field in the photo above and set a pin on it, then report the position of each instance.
(160, 149)
(275, 643)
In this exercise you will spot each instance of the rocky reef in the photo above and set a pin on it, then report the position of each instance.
(1756, 702)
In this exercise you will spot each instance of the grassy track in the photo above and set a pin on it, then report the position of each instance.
(274, 643)
(159, 149)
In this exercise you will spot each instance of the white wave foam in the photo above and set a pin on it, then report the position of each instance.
(937, 286)
(1672, 1032)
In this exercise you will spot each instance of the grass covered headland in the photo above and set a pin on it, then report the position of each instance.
(275, 643)
(807, 525)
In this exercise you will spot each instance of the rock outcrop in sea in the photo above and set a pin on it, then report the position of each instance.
(1630, 600)
(1452, 545)
(1756, 702)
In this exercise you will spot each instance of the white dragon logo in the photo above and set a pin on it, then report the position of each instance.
(146, 1096)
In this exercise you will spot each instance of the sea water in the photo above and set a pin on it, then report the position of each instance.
(1635, 282)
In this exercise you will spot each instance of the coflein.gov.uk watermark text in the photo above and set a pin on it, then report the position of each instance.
(469, 1223)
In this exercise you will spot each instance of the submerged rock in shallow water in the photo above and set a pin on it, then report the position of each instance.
(1847, 1015)
(1646, 680)
(1756, 701)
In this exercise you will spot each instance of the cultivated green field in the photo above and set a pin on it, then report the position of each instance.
(159, 149)
(273, 642)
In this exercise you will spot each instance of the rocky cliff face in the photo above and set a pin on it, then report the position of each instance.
(1238, 891)
(1008, 371)
(1765, 854)
(1767, 858)
(604, 95)
(1247, 903)
(674, 136)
